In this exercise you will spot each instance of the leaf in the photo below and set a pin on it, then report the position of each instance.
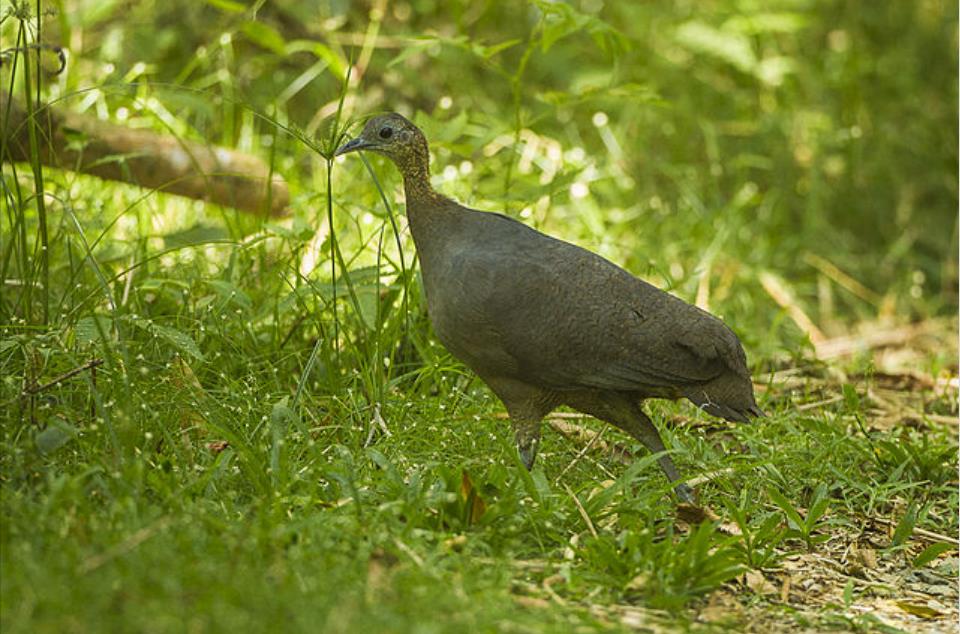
(336, 64)
(918, 609)
(179, 340)
(793, 517)
(299, 231)
(55, 436)
(759, 23)
(474, 506)
(820, 504)
(486, 52)
(280, 418)
(732, 48)
(197, 234)
(931, 552)
(559, 21)
(264, 36)
(905, 526)
(90, 329)
(416, 45)
(850, 398)
(755, 580)
(227, 5)
(637, 93)
(229, 292)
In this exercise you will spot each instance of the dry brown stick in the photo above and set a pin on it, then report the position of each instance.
(583, 511)
(578, 433)
(849, 344)
(124, 547)
(922, 532)
(92, 363)
(707, 477)
(146, 158)
(939, 418)
(819, 404)
(833, 272)
(533, 565)
(581, 454)
(783, 296)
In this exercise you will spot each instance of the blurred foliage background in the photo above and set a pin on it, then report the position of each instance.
(682, 139)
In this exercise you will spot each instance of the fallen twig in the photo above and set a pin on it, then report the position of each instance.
(833, 272)
(819, 404)
(583, 511)
(375, 422)
(143, 157)
(783, 296)
(124, 547)
(581, 454)
(578, 433)
(880, 338)
(921, 532)
(89, 365)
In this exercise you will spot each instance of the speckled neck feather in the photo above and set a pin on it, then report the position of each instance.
(414, 166)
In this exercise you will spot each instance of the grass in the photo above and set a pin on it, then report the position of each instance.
(213, 421)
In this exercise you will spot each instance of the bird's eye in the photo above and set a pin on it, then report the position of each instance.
(386, 133)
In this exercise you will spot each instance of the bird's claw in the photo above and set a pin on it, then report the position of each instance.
(528, 454)
(685, 493)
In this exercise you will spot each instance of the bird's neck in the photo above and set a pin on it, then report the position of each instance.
(416, 185)
(427, 209)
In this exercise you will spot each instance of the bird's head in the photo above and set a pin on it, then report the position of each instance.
(396, 138)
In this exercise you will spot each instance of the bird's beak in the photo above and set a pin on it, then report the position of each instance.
(352, 146)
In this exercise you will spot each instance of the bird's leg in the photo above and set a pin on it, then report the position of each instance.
(622, 412)
(527, 434)
(642, 428)
(527, 405)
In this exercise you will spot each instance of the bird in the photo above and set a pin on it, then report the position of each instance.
(545, 323)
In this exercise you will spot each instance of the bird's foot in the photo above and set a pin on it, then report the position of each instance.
(528, 453)
(686, 494)
(527, 436)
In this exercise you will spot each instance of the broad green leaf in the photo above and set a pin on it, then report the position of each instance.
(759, 23)
(905, 526)
(280, 418)
(732, 48)
(793, 517)
(227, 5)
(197, 234)
(819, 506)
(931, 552)
(90, 329)
(229, 292)
(264, 36)
(850, 398)
(179, 340)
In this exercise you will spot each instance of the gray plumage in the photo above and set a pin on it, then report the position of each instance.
(546, 323)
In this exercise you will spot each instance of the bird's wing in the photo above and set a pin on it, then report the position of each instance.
(572, 319)
(670, 350)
